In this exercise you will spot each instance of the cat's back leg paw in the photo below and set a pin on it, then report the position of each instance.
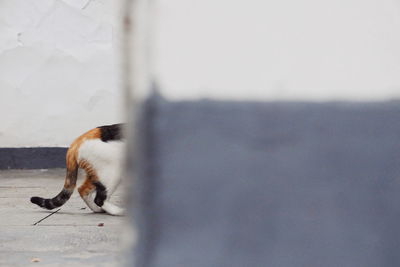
(113, 209)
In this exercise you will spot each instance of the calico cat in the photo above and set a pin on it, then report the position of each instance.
(98, 152)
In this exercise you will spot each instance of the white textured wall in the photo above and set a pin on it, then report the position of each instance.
(57, 70)
(279, 49)
(58, 57)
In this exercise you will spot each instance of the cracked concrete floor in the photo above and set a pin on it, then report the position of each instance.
(70, 237)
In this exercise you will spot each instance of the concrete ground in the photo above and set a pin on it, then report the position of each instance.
(74, 236)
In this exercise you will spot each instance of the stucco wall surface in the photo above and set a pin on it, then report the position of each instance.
(57, 70)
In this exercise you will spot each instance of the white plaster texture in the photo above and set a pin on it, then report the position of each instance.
(57, 70)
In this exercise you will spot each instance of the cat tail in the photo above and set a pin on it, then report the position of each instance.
(69, 184)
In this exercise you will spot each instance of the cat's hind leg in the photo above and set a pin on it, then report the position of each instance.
(113, 209)
(102, 199)
(85, 191)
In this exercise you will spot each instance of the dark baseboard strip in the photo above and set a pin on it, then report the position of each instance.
(32, 158)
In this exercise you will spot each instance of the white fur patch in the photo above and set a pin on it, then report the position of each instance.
(105, 158)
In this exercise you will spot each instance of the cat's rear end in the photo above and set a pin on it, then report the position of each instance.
(98, 152)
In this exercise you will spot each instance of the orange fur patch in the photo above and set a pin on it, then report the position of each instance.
(91, 176)
(86, 188)
(72, 156)
(90, 172)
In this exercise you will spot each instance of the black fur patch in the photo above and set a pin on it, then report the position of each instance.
(38, 201)
(61, 198)
(111, 132)
(51, 203)
(48, 204)
(101, 193)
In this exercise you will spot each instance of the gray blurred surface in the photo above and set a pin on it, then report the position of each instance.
(71, 237)
(269, 184)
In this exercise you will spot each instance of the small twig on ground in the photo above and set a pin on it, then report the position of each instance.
(46, 217)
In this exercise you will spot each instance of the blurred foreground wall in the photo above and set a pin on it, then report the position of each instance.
(235, 183)
(306, 175)
(278, 50)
